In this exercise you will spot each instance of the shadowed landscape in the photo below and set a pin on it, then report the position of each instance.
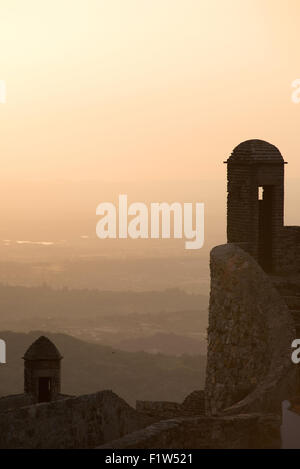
(88, 368)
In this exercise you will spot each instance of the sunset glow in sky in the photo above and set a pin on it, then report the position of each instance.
(144, 90)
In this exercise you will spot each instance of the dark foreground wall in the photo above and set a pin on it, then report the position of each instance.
(235, 432)
(249, 367)
(81, 422)
(15, 401)
(193, 404)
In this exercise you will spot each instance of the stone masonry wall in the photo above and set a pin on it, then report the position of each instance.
(253, 431)
(15, 401)
(193, 404)
(249, 366)
(81, 422)
(159, 409)
(241, 203)
(289, 260)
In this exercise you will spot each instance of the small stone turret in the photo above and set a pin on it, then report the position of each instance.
(42, 374)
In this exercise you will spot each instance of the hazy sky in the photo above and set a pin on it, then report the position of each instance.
(145, 89)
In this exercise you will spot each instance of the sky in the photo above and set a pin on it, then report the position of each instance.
(139, 89)
(144, 91)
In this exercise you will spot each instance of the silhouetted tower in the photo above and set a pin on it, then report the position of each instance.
(255, 203)
(42, 370)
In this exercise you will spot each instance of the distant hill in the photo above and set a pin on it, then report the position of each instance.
(89, 367)
(170, 344)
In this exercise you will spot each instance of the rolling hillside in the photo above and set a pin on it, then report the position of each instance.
(89, 367)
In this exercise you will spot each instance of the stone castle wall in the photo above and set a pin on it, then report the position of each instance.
(253, 431)
(80, 422)
(193, 404)
(249, 366)
(159, 409)
(289, 259)
(14, 401)
(34, 369)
